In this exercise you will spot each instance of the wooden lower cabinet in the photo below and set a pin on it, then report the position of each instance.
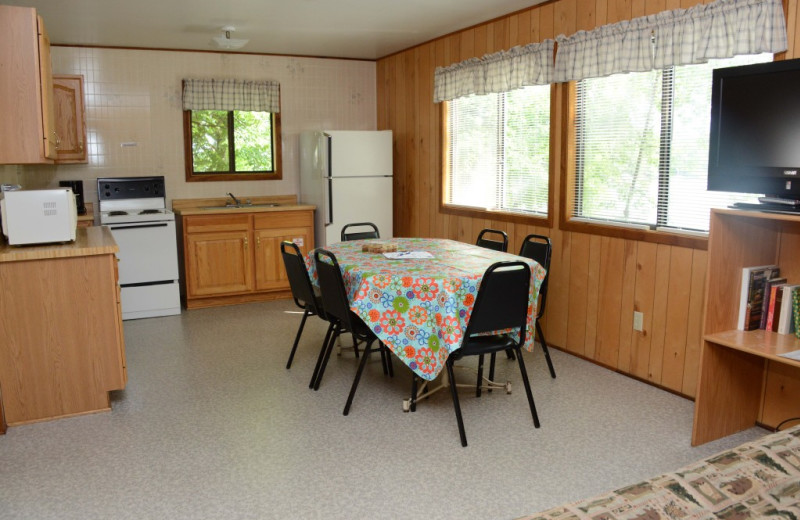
(232, 259)
(218, 263)
(63, 348)
(270, 273)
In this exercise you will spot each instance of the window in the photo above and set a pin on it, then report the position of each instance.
(641, 148)
(231, 129)
(237, 143)
(499, 152)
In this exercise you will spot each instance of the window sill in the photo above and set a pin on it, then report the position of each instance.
(677, 238)
(208, 177)
(502, 216)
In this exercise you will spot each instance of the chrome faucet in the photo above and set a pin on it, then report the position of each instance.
(235, 200)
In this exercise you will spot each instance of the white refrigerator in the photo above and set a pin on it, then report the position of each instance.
(347, 175)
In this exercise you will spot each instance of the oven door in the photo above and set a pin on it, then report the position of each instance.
(148, 252)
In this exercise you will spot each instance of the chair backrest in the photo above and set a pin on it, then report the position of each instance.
(498, 240)
(299, 281)
(502, 301)
(360, 235)
(539, 249)
(331, 287)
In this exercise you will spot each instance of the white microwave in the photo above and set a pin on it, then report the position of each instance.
(39, 216)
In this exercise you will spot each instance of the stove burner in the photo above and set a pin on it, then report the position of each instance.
(149, 212)
(116, 213)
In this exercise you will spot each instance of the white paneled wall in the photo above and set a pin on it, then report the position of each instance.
(134, 96)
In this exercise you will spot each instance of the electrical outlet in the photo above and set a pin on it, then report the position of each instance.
(638, 321)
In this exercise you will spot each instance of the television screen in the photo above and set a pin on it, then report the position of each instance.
(754, 144)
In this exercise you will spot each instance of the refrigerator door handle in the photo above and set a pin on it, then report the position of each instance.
(327, 199)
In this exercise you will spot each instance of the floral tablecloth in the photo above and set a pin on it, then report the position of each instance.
(420, 308)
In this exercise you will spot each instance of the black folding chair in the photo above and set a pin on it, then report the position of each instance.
(360, 235)
(502, 303)
(497, 240)
(337, 311)
(302, 291)
(540, 249)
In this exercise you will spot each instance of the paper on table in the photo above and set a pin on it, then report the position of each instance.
(795, 354)
(402, 255)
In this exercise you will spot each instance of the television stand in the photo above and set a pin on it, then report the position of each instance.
(792, 208)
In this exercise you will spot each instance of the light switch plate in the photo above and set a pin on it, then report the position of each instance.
(638, 321)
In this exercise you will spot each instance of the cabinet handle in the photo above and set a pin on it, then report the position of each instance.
(258, 241)
(57, 139)
(245, 242)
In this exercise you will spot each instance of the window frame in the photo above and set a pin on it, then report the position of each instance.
(192, 176)
(499, 216)
(568, 220)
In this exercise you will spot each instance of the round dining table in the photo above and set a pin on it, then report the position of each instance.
(418, 299)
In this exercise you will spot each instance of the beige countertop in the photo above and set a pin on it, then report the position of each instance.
(258, 209)
(217, 206)
(95, 240)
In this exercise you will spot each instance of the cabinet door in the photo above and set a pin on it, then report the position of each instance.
(70, 122)
(218, 263)
(26, 100)
(46, 85)
(270, 273)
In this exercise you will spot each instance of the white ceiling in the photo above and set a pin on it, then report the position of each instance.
(367, 29)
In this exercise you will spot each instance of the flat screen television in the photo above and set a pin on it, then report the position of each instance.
(754, 142)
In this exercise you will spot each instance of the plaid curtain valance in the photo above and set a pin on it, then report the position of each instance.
(231, 94)
(502, 71)
(721, 29)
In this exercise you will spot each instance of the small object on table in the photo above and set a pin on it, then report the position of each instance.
(378, 247)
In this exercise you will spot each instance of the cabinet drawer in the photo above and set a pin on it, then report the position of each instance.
(213, 223)
(282, 219)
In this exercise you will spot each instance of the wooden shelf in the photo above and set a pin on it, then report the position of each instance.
(743, 380)
(765, 344)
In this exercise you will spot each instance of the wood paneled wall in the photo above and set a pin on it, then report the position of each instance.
(596, 282)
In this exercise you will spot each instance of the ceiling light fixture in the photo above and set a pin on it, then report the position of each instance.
(226, 42)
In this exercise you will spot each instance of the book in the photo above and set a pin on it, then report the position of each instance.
(796, 312)
(785, 318)
(768, 303)
(775, 300)
(752, 295)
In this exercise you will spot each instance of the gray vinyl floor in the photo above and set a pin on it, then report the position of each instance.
(212, 425)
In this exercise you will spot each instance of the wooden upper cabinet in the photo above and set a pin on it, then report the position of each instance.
(27, 131)
(70, 122)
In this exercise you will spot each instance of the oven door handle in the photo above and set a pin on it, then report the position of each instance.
(137, 226)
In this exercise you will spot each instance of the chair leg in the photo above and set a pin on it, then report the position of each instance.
(306, 314)
(358, 377)
(510, 354)
(480, 376)
(384, 365)
(321, 355)
(492, 359)
(388, 359)
(527, 384)
(454, 393)
(331, 342)
(546, 351)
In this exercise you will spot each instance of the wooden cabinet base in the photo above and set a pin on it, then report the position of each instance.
(62, 349)
(218, 301)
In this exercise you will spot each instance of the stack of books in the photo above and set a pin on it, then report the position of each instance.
(767, 301)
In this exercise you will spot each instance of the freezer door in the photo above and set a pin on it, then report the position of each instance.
(360, 154)
(367, 199)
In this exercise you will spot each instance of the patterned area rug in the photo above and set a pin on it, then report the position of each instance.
(759, 479)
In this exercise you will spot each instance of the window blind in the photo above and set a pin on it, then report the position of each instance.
(642, 147)
(499, 151)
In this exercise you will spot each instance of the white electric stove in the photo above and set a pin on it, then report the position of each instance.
(134, 209)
